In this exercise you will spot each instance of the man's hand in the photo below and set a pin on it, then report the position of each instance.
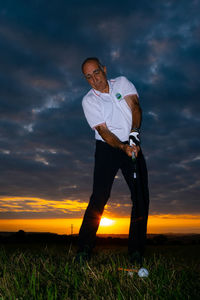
(130, 149)
(113, 141)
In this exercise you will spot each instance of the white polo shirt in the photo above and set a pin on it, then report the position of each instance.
(110, 108)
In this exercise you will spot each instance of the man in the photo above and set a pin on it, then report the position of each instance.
(112, 109)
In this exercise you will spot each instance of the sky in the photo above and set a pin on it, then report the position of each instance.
(47, 147)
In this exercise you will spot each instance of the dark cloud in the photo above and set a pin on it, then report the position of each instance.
(47, 147)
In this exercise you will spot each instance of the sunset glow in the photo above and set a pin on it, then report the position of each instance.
(106, 222)
(62, 223)
(156, 224)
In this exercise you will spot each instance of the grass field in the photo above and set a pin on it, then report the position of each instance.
(49, 272)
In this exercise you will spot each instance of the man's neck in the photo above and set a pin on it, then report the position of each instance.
(106, 90)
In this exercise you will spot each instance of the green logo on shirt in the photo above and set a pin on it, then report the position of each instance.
(118, 96)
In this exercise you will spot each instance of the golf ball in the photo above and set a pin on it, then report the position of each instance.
(143, 272)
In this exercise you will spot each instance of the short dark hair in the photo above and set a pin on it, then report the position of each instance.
(90, 59)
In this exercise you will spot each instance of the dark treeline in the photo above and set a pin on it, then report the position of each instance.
(46, 238)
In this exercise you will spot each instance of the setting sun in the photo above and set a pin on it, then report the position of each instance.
(106, 222)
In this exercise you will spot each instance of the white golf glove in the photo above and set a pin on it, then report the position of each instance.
(134, 138)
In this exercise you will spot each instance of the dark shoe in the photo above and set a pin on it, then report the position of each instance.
(136, 258)
(83, 255)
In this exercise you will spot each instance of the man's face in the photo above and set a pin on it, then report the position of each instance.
(95, 76)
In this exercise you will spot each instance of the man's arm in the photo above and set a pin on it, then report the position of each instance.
(113, 140)
(133, 103)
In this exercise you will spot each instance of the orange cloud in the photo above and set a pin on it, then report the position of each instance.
(32, 204)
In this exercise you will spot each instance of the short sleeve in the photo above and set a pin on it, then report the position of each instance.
(93, 112)
(128, 87)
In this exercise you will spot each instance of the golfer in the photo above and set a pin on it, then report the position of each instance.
(112, 110)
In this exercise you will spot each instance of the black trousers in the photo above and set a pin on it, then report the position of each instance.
(108, 161)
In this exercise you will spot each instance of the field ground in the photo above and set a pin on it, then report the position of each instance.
(40, 271)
